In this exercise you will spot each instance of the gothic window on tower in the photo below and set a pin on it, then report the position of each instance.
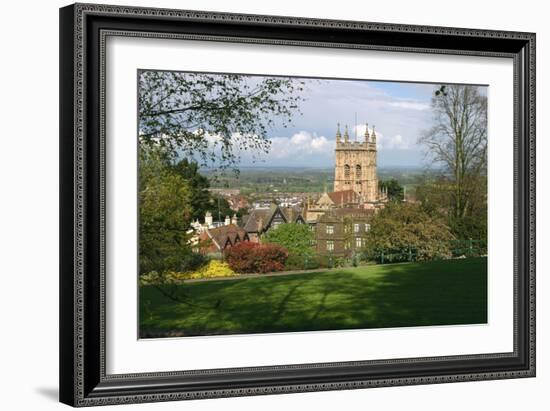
(347, 173)
(358, 171)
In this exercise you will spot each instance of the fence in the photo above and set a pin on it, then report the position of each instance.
(458, 248)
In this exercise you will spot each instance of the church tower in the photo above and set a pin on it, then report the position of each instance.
(355, 167)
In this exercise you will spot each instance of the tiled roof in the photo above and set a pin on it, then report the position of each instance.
(344, 197)
(258, 219)
(220, 235)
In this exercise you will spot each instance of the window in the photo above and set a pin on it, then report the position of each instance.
(347, 245)
(367, 227)
(358, 242)
(356, 228)
(347, 228)
(330, 229)
(358, 171)
(347, 172)
(330, 245)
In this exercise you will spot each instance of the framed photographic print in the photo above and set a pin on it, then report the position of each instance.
(261, 204)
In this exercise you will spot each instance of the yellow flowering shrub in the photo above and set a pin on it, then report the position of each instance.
(212, 269)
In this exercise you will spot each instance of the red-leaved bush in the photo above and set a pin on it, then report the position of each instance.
(249, 257)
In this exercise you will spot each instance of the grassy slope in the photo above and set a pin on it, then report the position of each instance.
(398, 295)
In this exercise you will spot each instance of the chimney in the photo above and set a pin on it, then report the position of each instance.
(208, 220)
(227, 220)
(234, 219)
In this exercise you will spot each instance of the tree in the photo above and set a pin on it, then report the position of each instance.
(219, 207)
(210, 117)
(395, 190)
(165, 212)
(435, 195)
(202, 200)
(296, 238)
(458, 142)
(200, 197)
(403, 226)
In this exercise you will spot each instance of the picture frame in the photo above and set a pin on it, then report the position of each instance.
(84, 380)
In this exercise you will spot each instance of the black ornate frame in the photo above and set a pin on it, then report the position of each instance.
(83, 30)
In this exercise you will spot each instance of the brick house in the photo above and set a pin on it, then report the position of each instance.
(342, 231)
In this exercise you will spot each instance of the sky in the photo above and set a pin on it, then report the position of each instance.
(399, 112)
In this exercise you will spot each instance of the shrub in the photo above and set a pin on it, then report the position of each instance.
(213, 269)
(399, 227)
(295, 262)
(193, 261)
(249, 257)
(151, 278)
(295, 238)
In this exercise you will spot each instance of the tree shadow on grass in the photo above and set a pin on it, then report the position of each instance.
(400, 295)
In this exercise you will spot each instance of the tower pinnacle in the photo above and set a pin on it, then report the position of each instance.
(366, 132)
(346, 135)
(338, 135)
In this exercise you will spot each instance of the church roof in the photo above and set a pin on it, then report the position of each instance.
(344, 197)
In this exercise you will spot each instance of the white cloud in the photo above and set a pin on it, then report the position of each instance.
(409, 105)
(301, 144)
(395, 142)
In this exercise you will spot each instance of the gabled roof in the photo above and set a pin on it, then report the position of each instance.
(224, 234)
(257, 220)
(292, 214)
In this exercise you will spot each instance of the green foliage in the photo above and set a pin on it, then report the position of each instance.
(304, 262)
(436, 199)
(164, 212)
(212, 116)
(202, 200)
(219, 207)
(402, 225)
(395, 190)
(296, 238)
(198, 186)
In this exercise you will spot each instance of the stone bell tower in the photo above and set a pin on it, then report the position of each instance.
(355, 167)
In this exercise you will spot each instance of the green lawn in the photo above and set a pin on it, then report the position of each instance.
(377, 296)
